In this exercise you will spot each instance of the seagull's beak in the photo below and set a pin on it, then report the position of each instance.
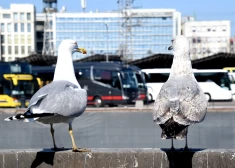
(81, 50)
(170, 48)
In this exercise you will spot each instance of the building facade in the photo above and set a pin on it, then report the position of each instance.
(17, 30)
(232, 45)
(207, 37)
(106, 33)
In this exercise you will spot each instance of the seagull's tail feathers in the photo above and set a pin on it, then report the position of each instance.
(172, 129)
(28, 116)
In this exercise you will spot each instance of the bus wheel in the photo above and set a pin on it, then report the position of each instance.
(98, 102)
(208, 96)
(150, 98)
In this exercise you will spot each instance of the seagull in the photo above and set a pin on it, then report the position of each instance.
(62, 100)
(180, 102)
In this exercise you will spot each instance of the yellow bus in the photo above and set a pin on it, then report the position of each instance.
(229, 69)
(17, 84)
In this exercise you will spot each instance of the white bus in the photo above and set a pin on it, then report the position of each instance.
(214, 83)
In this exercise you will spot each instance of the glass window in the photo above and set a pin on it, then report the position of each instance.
(29, 49)
(29, 39)
(16, 39)
(193, 29)
(2, 39)
(28, 16)
(15, 27)
(16, 49)
(28, 27)
(9, 50)
(22, 27)
(83, 74)
(21, 16)
(224, 28)
(213, 28)
(6, 16)
(22, 39)
(15, 16)
(9, 39)
(8, 27)
(22, 50)
(3, 49)
(2, 28)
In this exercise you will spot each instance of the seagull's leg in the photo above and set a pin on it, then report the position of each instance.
(74, 148)
(53, 138)
(186, 140)
(172, 144)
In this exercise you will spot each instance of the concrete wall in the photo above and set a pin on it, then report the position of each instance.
(118, 158)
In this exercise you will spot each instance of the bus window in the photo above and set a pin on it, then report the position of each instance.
(103, 76)
(157, 77)
(140, 80)
(115, 81)
(83, 74)
(128, 79)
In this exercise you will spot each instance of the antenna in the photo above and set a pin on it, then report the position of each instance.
(83, 4)
(125, 33)
(50, 6)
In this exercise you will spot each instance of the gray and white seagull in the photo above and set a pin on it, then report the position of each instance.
(62, 100)
(180, 102)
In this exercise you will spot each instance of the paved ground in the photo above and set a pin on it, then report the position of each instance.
(118, 130)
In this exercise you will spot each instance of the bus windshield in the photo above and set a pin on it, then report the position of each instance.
(129, 79)
(25, 87)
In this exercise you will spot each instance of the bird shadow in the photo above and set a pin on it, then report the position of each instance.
(180, 158)
(45, 156)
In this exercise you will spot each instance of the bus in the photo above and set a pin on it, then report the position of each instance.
(107, 83)
(215, 83)
(230, 69)
(17, 84)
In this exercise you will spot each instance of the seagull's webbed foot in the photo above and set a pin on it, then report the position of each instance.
(80, 150)
(186, 148)
(172, 148)
(74, 148)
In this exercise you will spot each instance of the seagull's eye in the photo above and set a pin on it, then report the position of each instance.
(75, 43)
(172, 41)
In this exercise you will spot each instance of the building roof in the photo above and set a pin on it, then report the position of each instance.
(99, 58)
(37, 59)
(217, 61)
(154, 61)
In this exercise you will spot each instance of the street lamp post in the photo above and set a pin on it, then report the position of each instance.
(107, 37)
(0, 46)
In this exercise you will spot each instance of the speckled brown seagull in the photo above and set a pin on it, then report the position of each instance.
(180, 102)
(62, 100)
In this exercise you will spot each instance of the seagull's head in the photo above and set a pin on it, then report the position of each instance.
(72, 46)
(180, 44)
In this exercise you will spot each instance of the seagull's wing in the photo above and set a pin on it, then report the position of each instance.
(60, 97)
(182, 99)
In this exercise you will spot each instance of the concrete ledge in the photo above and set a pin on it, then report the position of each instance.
(119, 158)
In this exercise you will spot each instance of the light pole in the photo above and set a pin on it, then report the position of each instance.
(107, 37)
(0, 46)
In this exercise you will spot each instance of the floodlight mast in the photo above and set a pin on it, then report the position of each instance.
(50, 6)
(83, 4)
(125, 32)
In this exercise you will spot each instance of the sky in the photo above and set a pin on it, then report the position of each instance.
(202, 9)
